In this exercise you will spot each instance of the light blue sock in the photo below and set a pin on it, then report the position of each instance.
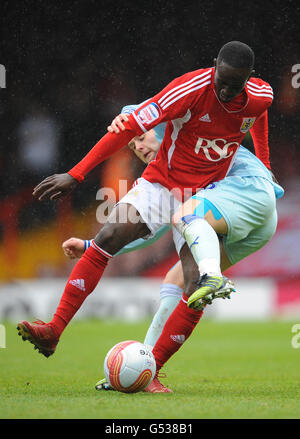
(170, 295)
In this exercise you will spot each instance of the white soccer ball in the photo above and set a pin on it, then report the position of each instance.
(129, 366)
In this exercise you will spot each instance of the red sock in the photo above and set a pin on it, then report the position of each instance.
(83, 280)
(177, 330)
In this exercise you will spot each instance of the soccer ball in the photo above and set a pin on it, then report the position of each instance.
(129, 366)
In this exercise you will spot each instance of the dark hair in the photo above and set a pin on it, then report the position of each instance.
(237, 54)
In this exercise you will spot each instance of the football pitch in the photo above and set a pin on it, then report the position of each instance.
(225, 370)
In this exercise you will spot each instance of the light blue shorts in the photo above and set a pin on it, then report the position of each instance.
(248, 205)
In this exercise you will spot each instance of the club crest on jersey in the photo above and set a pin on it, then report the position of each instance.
(247, 124)
(149, 114)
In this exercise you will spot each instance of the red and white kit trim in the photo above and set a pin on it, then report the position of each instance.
(260, 90)
(181, 90)
(100, 250)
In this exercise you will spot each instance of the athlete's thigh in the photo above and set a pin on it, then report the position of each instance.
(119, 229)
(140, 213)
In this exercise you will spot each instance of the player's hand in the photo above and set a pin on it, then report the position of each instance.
(73, 248)
(55, 186)
(117, 124)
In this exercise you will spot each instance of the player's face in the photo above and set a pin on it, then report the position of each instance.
(229, 81)
(145, 146)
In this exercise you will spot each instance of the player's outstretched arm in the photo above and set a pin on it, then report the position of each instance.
(55, 186)
(60, 184)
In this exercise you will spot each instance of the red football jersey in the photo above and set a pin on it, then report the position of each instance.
(202, 134)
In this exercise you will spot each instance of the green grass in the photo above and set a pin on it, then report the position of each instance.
(225, 370)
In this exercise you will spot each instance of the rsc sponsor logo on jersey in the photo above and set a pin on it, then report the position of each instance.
(222, 150)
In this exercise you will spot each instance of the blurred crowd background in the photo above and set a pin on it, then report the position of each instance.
(70, 67)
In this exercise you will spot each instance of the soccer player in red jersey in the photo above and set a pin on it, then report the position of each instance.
(146, 147)
(209, 111)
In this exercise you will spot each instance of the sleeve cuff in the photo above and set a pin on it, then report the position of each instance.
(75, 175)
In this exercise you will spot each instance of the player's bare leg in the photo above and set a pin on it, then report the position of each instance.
(116, 233)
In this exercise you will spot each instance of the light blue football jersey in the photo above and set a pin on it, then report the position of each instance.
(246, 164)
